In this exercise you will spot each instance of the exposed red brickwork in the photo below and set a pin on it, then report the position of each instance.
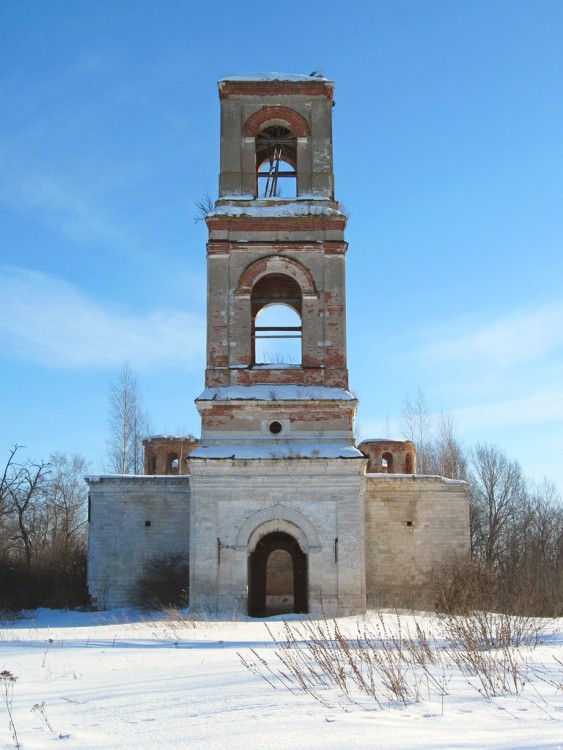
(286, 274)
(167, 455)
(306, 375)
(276, 224)
(276, 264)
(217, 247)
(335, 248)
(217, 359)
(217, 378)
(275, 287)
(399, 454)
(294, 121)
(276, 88)
(219, 415)
(287, 376)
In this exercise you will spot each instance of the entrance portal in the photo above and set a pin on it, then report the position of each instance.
(277, 576)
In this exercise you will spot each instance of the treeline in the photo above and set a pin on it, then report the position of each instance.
(43, 532)
(516, 524)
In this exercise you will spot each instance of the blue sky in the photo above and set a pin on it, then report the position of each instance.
(448, 146)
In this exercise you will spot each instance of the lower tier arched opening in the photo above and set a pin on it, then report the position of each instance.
(277, 576)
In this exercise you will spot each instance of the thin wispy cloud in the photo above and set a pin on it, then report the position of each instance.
(503, 374)
(532, 409)
(49, 321)
(58, 170)
(515, 338)
(64, 208)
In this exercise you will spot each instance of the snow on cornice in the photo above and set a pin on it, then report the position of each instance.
(385, 440)
(170, 478)
(272, 392)
(282, 450)
(415, 478)
(274, 77)
(273, 209)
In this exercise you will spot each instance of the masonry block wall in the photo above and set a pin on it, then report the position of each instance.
(317, 501)
(413, 525)
(407, 526)
(132, 519)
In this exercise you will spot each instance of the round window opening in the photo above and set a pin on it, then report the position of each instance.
(275, 428)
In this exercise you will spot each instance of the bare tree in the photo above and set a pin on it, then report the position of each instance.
(498, 498)
(65, 505)
(416, 422)
(128, 422)
(444, 452)
(20, 500)
(203, 206)
(42, 532)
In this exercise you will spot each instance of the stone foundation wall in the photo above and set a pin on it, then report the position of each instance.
(413, 524)
(132, 519)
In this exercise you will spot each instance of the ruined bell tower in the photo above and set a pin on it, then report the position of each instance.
(276, 440)
(276, 235)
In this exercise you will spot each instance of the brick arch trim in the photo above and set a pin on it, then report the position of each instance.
(294, 121)
(277, 264)
(278, 518)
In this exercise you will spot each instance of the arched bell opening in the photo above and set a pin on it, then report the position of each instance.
(277, 336)
(276, 162)
(172, 463)
(277, 576)
(277, 331)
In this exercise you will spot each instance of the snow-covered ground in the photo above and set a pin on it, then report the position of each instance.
(123, 680)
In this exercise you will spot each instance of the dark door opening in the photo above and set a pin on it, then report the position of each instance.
(277, 577)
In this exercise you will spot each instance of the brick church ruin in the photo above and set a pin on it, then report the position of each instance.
(276, 507)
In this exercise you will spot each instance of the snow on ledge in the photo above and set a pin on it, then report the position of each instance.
(170, 437)
(272, 392)
(294, 208)
(416, 477)
(92, 478)
(273, 77)
(384, 440)
(272, 366)
(281, 450)
(274, 198)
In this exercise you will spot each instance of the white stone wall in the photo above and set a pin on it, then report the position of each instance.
(315, 500)
(132, 519)
(392, 530)
(413, 525)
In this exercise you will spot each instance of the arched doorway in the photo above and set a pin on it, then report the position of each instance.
(277, 576)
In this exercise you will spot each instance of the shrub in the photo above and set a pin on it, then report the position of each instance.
(164, 583)
(464, 586)
(54, 581)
